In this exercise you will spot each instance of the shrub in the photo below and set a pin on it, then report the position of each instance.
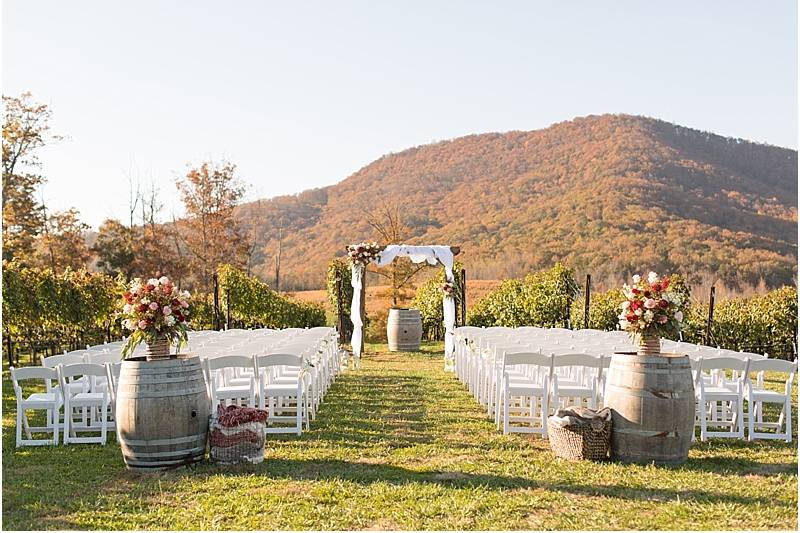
(763, 323)
(202, 308)
(603, 310)
(339, 267)
(254, 304)
(70, 309)
(540, 299)
(428, 299)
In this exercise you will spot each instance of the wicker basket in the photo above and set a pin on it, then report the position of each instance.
(579, 441)
(239, 444)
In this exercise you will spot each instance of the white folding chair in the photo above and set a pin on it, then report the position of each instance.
(580, 385)
(112, 379)
(757, 396)
(50, 402)
(70, 358)
(92, 404)
(276, 391)
(218, 375)
(102, 358)
(721, 403)
(530, 386)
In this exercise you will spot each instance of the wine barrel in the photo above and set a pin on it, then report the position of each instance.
(162, 413)
(404, 330)
(652, 407)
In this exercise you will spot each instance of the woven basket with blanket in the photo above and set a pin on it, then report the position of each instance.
(578, 433)
(237, 435)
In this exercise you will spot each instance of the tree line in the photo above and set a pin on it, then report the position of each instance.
(144, 245)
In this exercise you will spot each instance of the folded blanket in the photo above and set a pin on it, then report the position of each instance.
(233, 415)
(220, 439)
(578, 416)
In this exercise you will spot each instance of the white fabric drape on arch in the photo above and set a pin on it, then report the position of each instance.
(432, 255)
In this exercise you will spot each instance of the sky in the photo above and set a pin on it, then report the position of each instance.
(303, 94)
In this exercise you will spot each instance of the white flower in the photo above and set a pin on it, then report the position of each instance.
(652, 277)
(163, 280)
(648, 316)
(626, 304)
(144, 301)
(638, 312)
(637, 278)
(152, 281)
(679, 316)
(170, 320)
(130, 324)
(127, 309)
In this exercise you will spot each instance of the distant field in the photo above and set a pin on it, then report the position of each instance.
(378, 297)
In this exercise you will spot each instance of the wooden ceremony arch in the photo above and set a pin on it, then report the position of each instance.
(432, 254)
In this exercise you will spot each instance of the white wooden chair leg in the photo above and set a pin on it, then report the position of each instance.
(787, 407)
(67, 424)
(506, 409)
(19, 426)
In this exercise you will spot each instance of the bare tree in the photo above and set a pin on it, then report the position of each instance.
(388, 222)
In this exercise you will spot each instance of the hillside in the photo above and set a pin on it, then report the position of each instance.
(607, 194)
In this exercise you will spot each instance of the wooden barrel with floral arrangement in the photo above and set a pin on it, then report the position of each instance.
(162, 413)
(652, 407)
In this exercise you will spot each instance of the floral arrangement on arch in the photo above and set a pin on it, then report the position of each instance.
(650, 308)
(363, 253)
(154, 309)
(447, 288)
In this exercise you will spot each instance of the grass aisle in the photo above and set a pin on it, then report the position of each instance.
(401, 444)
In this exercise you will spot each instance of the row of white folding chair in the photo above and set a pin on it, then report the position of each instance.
(264, 389)
(241, 381)
(90, 403)
(470, 337)
(82, 356)
(487, 374)
(580, 384)
(560, 389)
(720, 398)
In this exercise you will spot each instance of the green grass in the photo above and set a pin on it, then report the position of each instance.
(399, 444)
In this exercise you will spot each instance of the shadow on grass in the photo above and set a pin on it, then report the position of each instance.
(368, 473)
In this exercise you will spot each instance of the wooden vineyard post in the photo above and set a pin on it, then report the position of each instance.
(10, 350)
(710, 315)
(588, 293)
(216, 321)
(463, 297)
(228, 305)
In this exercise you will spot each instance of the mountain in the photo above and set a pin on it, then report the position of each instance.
(610, 195)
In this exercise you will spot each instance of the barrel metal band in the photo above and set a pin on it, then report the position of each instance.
(163, 442)
(640, 393)
(145, 394)
(180, 453)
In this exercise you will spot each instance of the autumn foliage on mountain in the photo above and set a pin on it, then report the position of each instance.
(609, 195)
